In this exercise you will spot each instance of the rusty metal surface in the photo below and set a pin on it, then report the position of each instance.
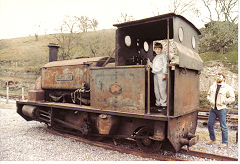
(180, 127)
(69, 106)
(65, 77)
(207, 155)
(68, 74)
(118, 89)
(36, 95)
(105, 123)
(73, 62)
(186, 91)
(29, 111)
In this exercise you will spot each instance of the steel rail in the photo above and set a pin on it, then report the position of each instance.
(207, 155)
(156, 156)
(108, 146)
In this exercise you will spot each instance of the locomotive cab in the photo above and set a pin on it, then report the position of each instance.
(134, 44)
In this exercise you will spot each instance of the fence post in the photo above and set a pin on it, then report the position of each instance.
(7, 93)
(22, 93)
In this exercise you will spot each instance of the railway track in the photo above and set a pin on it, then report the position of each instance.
(232, 115)
(207, 155)
(116, 148)
(136, 152)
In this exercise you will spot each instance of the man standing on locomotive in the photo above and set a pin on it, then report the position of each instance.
(220, 94)
(159, 69)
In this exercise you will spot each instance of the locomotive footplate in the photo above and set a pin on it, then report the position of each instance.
(68, 106)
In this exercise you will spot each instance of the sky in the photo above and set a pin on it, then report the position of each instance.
(19, 18)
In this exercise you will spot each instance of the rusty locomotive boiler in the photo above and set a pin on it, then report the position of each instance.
(114, 97)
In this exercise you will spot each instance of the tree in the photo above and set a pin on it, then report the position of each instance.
(69, 34)
(125, 18)
(85, 23)
(182, 6)
(223, 10)
(66, 37)
(37, 29)
(228, 7)
(94, 24)
(218, 36)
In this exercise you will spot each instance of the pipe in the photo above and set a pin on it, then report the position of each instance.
(71, 126)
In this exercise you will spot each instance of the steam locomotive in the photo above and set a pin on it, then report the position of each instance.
(114, 97)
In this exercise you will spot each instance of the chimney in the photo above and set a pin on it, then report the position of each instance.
(53, 52)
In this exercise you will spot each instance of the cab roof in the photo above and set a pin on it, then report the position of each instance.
(153, 20)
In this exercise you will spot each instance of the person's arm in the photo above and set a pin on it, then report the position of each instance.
(149, 62)
(230, 96)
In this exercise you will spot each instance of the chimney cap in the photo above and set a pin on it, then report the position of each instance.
(53, 45)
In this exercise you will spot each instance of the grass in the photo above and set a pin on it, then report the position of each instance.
(204, 135)
(24, 54)
(204, 103)
(229, 59)
(15, 92)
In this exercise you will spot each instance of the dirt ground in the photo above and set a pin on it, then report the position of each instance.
(10, 105)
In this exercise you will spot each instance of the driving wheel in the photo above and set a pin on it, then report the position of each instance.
(145, 143)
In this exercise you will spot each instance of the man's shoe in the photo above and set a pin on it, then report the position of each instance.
(164, 108)
(211, 142)
(159, 110)
(223, 146)
(158, 105)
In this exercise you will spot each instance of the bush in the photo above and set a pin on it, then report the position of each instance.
(204, 103)
(218, 36)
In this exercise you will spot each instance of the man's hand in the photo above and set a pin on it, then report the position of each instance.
(148, 60)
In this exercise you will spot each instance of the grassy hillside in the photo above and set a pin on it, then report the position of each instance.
(23, 54)
(229, 59)
(22, 58)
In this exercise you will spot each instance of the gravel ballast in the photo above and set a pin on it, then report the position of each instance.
(29, 141)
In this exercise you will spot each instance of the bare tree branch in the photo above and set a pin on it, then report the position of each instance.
(181, 6)
(224, 9)
(207, 4)
(125, 18)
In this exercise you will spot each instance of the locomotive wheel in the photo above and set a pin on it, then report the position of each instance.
(145, 143)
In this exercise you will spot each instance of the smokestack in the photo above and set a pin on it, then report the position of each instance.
(53, 52)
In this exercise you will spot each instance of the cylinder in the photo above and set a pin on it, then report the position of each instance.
(29, 111)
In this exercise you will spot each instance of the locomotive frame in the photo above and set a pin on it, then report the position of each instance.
(95, 97)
